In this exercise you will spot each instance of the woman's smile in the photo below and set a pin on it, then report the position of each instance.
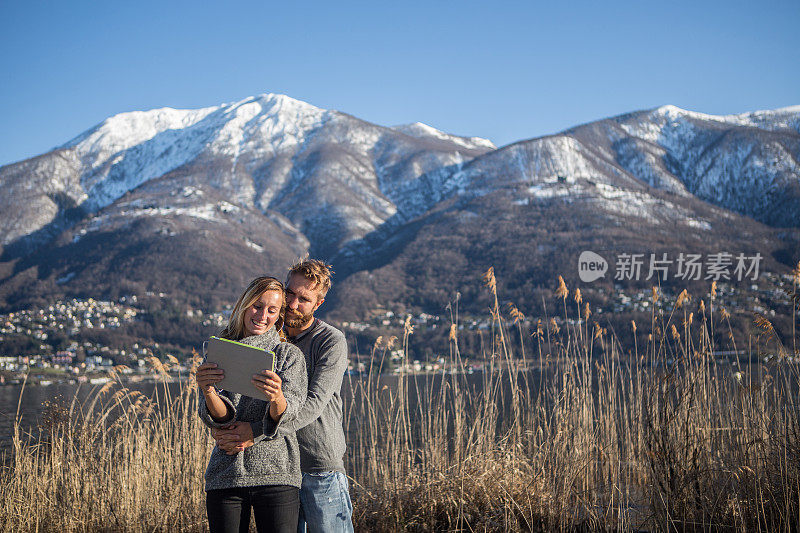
(263, 313)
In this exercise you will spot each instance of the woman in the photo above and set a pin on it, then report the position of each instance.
(266, 476)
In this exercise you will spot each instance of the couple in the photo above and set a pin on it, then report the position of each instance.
(292, 439)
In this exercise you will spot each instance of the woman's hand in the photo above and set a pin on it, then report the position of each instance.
(270, 384)
(207, 375)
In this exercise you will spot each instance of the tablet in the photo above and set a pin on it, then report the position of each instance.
(239, 361)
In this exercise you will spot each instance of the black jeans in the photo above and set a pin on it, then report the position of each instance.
(275, 508)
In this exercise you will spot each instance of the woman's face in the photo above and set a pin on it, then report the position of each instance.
(263, 314)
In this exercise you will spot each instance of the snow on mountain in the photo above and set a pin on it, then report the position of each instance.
(418, 129)
(747, 163)
(772, 120)
(131, 148)
(271, 178)
(123, 131)
(562, 167)
(334, 178)
(675, 129)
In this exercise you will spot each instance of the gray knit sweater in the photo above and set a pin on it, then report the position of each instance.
(319, 422)
(274, 459)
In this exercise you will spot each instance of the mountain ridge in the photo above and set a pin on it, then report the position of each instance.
(270, 178)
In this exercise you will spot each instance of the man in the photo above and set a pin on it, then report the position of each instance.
(325, 504)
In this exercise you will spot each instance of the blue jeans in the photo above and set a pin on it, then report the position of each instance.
(325, 505)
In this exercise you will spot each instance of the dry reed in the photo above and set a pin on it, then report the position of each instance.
(578, 437)
(583, 437)
(120, 461)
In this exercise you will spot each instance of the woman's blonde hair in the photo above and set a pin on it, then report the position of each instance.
(235, 328)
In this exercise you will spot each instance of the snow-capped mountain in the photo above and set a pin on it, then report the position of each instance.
(745, 163)
(157, 199)
(332, 175)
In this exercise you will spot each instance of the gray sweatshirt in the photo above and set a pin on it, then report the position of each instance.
(319, 422)
(274, 459)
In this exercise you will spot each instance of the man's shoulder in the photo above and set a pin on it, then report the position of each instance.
(286, 349)
(326, 340)
(324, 329)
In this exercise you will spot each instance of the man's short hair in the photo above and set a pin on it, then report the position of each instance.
(314, 270)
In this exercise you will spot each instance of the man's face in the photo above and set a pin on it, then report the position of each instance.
(302, 299)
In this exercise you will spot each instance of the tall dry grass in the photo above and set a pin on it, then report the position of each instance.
(561, 431)
(582, 436)
(120, 461)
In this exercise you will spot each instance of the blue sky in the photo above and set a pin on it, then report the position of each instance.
(503, 70)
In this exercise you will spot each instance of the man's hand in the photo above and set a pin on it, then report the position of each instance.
(234, 438)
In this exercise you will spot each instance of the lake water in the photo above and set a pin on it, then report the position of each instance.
(37, 400)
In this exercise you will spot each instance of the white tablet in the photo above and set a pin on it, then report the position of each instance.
(239, 361)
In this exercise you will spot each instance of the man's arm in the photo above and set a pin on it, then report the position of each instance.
(331, 364)
(294, 378)
(240, 435)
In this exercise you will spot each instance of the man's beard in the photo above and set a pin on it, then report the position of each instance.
(296, 320)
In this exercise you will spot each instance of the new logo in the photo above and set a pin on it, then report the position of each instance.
(591, 266)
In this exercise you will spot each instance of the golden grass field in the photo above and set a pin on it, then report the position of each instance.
(663, 439)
